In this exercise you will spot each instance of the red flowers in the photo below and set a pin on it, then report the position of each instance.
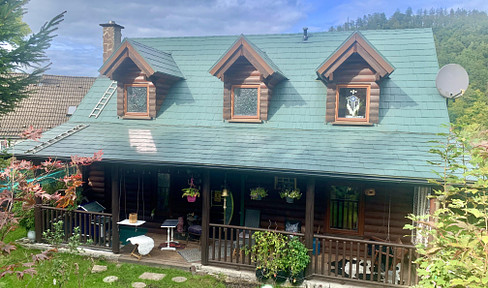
(31, 133)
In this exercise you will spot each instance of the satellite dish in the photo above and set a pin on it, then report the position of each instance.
(452, 81)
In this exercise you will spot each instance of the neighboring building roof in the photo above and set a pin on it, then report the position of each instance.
(189, 129)
(48, 106)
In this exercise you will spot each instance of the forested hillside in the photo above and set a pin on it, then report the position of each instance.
(461, 37)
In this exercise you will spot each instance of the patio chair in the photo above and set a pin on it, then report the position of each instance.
(252, 219)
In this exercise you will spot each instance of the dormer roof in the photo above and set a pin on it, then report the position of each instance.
(356, 43)
(258, 58)
(149, 60)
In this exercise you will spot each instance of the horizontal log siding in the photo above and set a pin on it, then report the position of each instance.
(377, 209)
(242, 72)
(96, 187)
(353, 71)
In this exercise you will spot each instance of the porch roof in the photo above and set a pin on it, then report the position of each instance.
(189, 128)
(389, 154)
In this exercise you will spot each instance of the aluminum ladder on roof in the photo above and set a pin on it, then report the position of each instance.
(104, 100)
(56, 139)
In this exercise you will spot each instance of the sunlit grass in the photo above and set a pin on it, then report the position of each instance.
(79, 271)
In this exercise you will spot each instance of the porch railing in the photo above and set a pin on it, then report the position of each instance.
(377, 263)
(95, 228)
(229, 243)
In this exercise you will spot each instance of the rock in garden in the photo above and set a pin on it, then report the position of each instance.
(110, 279)
(98, 268)
(138, 285)
(178, 279)
(152, 276)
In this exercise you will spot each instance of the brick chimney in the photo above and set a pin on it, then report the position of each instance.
(111, 38)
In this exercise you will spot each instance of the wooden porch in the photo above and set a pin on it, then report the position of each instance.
(364, 258)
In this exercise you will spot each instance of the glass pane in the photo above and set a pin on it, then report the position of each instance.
(136, 99)
(352, 103)
(344, 208)
(245, 101)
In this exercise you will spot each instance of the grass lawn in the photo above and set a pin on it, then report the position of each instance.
(78, 271)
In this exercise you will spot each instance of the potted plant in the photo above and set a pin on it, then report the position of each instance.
(268, 254)
(258, 193)
(296, 260)
(291, 194)
(191, 193)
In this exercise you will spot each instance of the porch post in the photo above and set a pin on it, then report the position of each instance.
(115, 209)
(38, 222)
(309, 217)
(205, 216)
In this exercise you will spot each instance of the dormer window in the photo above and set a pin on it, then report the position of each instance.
(136, 99)
(245, 101)
(352, 75)
(249, 77)
(144, 76)
(352, 103)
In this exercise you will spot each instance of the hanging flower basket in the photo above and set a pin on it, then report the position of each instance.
(191, 193)
(258, 193)
(291, 194)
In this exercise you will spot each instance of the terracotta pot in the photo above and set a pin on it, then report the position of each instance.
(191, 198)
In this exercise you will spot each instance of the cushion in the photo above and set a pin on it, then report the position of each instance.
(292, 226)
(195, 229)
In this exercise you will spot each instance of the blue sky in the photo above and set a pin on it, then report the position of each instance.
(77, 50)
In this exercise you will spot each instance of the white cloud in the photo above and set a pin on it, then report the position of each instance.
(77, 50)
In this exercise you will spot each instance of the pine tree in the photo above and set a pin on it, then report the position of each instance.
(19, 52)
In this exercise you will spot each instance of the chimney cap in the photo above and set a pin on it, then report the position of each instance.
(112, 23)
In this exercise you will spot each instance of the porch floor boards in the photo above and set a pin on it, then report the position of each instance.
(164, 258)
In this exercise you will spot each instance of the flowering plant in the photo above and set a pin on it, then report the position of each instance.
(191, 191)
(258, 193)
(291, 193)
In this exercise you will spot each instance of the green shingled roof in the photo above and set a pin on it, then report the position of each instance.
(189, 128)
(158, 60)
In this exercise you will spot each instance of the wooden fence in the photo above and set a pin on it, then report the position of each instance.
(335, 258)
(95, 228)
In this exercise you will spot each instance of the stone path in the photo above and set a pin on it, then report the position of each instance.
(144, 276)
